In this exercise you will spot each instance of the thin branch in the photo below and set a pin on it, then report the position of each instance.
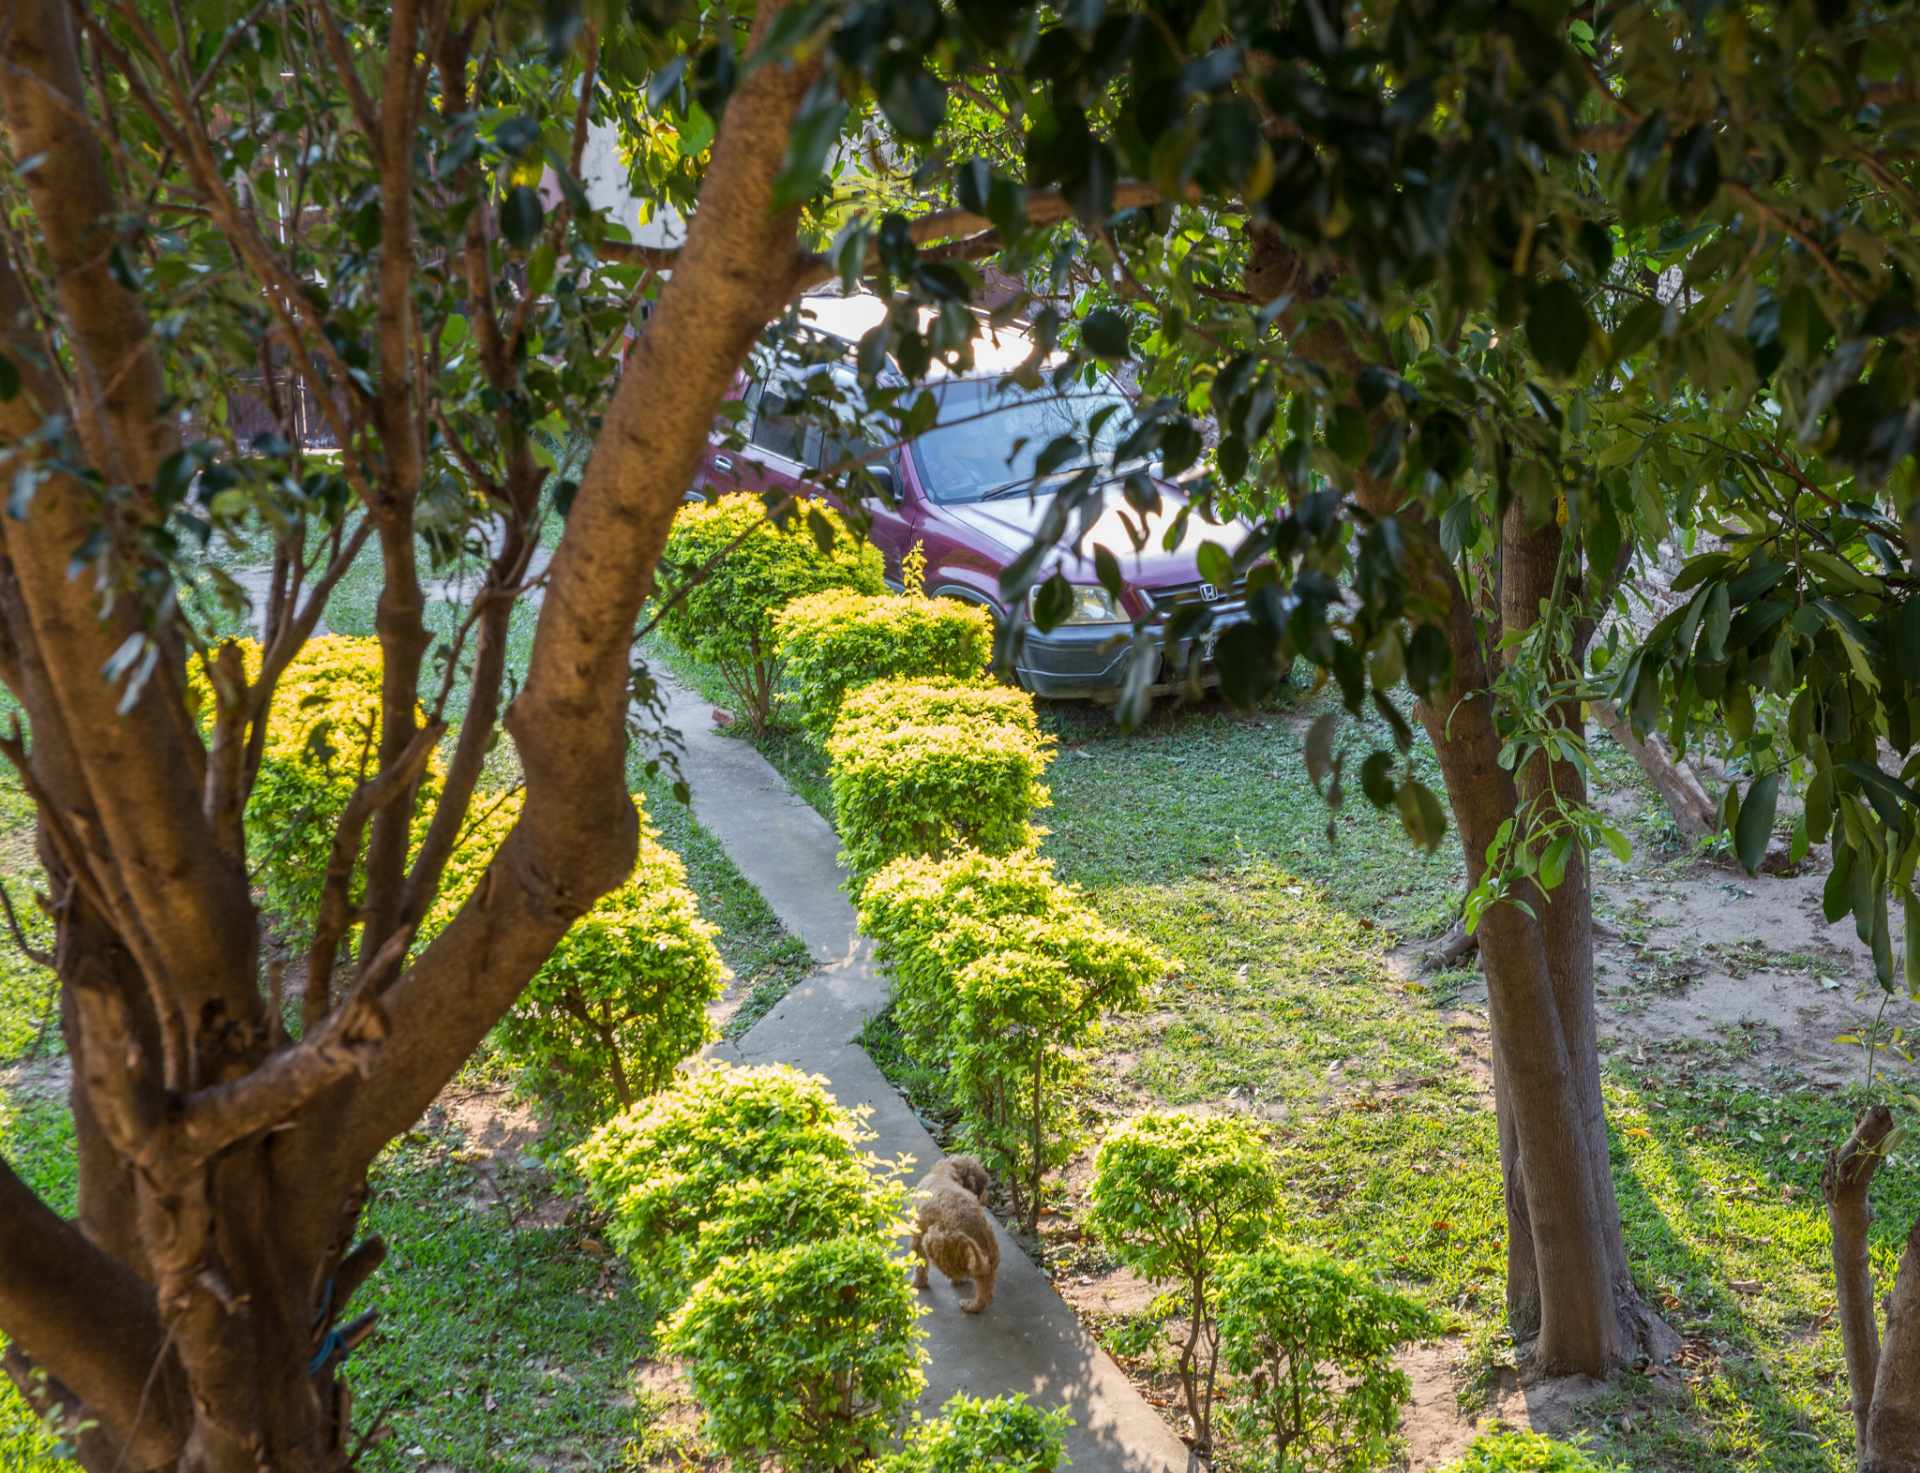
(336, 910)
(37, 955)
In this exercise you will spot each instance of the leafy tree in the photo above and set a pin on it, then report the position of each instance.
(1484, 303)
(1480, 299)
(1174, 1197)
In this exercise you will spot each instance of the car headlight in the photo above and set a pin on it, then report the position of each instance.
(1092, 604)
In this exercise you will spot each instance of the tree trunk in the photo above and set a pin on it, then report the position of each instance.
(1531, 559)
(1539, 986)
(1686, 799)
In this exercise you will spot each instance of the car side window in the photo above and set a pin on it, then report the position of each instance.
(775, 430)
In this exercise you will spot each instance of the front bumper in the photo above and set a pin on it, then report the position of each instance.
(1088, 662)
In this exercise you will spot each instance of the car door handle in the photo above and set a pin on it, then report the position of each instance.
(723, 462)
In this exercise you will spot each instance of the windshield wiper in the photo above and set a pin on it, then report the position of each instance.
(1007, 488)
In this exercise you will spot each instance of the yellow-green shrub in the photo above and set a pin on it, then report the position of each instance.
(1006, 1434)
(838, 641)
(660, 1169)
(1315, 1339)
(1174, 1197)
(932, 766)
(323, 736)
(808, 1354)
(724, 614)
(930, 918)
(623, 998)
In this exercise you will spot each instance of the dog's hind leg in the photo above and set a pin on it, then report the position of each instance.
(919, 1262)
(983, 1278)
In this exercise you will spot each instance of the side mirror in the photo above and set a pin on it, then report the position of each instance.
(889, 488)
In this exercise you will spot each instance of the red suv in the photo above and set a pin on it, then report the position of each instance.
(966, 493)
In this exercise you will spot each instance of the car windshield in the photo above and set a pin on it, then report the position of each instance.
(990, 436)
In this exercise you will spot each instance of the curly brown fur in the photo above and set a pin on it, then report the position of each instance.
(952, 1230)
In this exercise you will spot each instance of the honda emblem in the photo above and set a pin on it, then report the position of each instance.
(1209, 592)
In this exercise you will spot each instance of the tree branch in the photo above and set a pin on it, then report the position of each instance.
(336, 910)
(84, 1317)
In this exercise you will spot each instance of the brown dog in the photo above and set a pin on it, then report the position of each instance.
(952, 1230)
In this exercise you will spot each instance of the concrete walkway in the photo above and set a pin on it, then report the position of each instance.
(1028, 1339)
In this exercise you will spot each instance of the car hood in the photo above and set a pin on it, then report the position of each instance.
(1011, 522)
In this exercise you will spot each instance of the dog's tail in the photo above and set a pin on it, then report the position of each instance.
(941, 1246)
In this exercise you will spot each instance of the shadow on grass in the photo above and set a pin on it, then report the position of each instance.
(1726, 1229)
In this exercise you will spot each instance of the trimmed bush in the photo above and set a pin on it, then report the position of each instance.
(810, 1201)
(1005, 1434)
(622, 1000)
(930, 918)
(809, 1354)
(659, 1170)
(1021, 1014)
(932, 766)
(1174, 1196)
(1524, 1452)
(1316, 1339)
(836, 642)
(724, 614)
(323, 734)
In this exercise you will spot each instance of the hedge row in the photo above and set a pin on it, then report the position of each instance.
(755, 1219)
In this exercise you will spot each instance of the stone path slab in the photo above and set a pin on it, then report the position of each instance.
(1029, 1339)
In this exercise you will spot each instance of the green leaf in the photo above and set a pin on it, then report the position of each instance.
(1052, 602)
(813, 137)
(1422, 816)
(1105, 333)
(1754, 827)
(521, 216)
(1429, 661)
(1910, 941)
(1693, 173)
(1713, 630)
(1558, 329)
(1553, 863)
(1347, 434)
(1216, 565)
